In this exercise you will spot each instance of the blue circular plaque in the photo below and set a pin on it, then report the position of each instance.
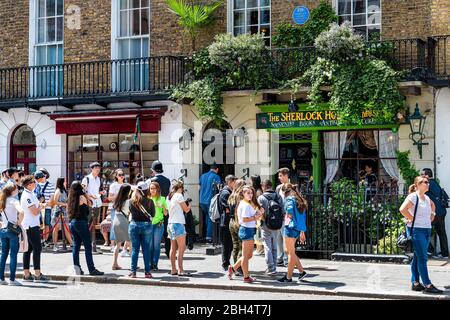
(300, 15)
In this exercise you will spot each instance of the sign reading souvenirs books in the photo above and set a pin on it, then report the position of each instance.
(301, 119)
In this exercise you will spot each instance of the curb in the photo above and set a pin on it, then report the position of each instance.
(337, 293)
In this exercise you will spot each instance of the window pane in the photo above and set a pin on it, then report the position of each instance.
(239, 4)
(238, 31)
(123, 23)
(123, 4)
(145, 49)
(41, 56)
(60, 28)
(342, 19)
(135, 48)
(144, 21)
(359, 6)
(359, 19)
(344, 7)
(134, 23)
(51, 32)
(265, 30)
(135, 3)
(51, 4)
(123, 49)
(239, 18)
(252, 29)
(41, 8)
(265, 3)
(252, 17)
(252, 3)
(60, 54)
(265, 16)
(90, 143)
(361, 31)
(51, 54)
(374, 18)
(144, 3)
(373, 5)
(60, 7)
(41, 31)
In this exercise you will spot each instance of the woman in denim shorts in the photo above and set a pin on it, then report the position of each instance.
(175, 227)
(295, 207)
(248, 212)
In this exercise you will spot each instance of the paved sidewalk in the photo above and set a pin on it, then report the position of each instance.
(324, 277)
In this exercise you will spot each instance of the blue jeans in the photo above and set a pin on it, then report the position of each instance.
(206, 220)
(140, 235)
(155, 243)
(81, 234)
(420, 241)
(10, 245)
(112, 236)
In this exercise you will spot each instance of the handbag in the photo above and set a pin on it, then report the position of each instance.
(23, 242)
(404, 241)
(11, 227)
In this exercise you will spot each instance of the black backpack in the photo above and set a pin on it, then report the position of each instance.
(274, 216)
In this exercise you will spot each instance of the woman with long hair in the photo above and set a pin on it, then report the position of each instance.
(295, 207)
(175, 229)
(120, 224)
(60, 212)
(233, 201)
(256, 184)
(419, 208)
(142, 211)
(249, 212)
(11, 212)
(119, 180)
(161, 210)
(78, 210)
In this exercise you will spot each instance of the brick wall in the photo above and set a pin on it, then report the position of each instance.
(167, 37)
(14, 17)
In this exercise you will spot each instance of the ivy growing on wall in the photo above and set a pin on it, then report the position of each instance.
(407, 170)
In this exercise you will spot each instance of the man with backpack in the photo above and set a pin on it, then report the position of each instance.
(272, 223)
(207, 182)
(440, 199)
(224, 211)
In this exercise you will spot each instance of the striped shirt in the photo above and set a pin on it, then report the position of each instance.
(48, 192)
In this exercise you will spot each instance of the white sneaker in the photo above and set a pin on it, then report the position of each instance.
(113, 249)
(124, 254)
(15, 283)
(3, 283)
(55, 249)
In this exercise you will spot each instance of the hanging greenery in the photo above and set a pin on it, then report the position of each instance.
(358, 82)
(407, 170)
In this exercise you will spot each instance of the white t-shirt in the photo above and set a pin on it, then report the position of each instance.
(10, 212)
(176, 213)
(245, 210)
(114, 189)
(28, 200)
(423, 219)
(93, 189)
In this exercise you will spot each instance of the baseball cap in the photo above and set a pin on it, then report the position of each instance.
(142, 186)
(157, 166)
(94, 164)
(39, 175)
(44, 171)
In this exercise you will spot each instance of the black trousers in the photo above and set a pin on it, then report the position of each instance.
(439, 227)
(35, 247)
(227, 246)
(166, 239)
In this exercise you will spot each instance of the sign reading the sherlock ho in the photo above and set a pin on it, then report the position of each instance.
(301, 119)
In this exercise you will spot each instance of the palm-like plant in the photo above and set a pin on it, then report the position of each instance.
(193, 17)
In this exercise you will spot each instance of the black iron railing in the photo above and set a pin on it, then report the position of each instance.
(83, 79)
(349, 219)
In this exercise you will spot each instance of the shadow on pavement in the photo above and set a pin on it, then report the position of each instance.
(208, 275)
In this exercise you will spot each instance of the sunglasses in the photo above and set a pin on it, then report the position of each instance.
(121, 175)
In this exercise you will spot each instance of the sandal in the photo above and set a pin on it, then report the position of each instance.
(174, 274)
(184, 274)
(116, 268)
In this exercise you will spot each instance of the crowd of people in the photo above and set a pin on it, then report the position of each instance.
(149, 212)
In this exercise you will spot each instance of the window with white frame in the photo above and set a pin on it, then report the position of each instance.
(132, 42)
(48, 48)
(250, 17)
(364, 15)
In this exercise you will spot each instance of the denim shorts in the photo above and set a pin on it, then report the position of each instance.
(175, 230)
(291, 233)
(246, 233)
(48, 217)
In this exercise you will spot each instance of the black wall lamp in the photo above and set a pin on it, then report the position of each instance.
(417, 125)
(184, 143)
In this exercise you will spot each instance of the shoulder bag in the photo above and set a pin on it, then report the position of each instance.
(11, 227)
(404, 241)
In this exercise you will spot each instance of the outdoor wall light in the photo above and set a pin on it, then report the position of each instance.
(417, 124)
(184, 143)
(292, 106)
(239, 137)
